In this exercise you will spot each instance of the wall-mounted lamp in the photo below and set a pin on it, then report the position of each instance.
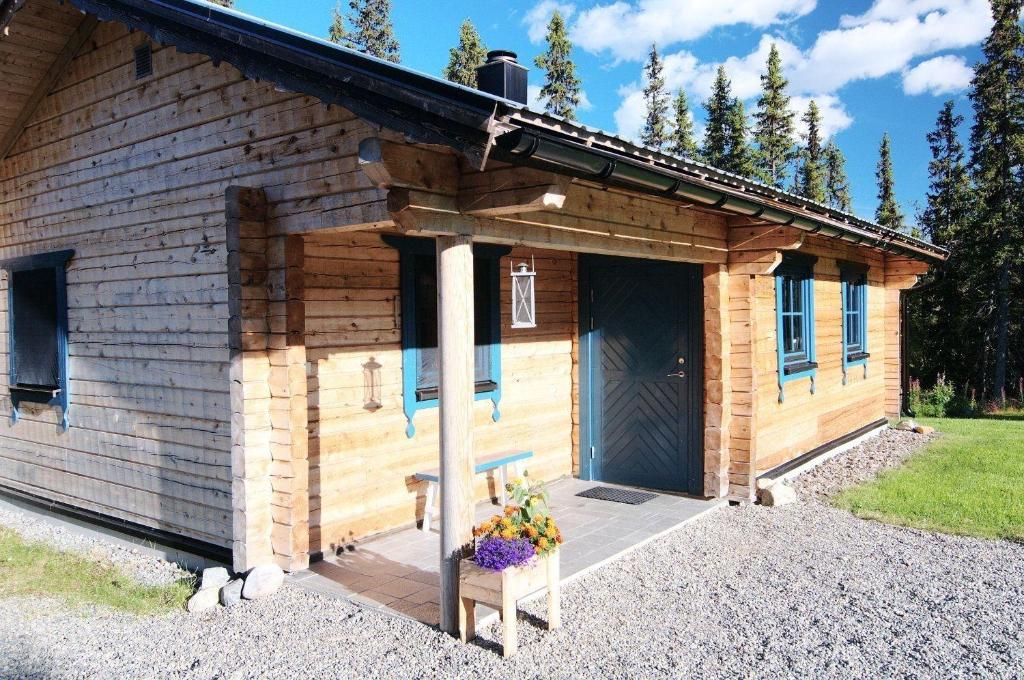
(524, 308)
(371, 385)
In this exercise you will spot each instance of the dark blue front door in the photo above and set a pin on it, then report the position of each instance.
(642, 377)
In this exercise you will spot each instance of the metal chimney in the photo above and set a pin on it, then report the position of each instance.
(503, 76)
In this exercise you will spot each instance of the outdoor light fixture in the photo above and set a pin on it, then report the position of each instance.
(371, 385)
(524, 310)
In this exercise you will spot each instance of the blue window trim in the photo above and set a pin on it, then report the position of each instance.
(408, 246)
(801, 267)
(854, 274)
(58, 262)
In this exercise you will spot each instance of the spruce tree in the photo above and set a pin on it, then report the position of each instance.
(371, 30)
(716, 132)
(942, 310)
(837, 185)
(888, 213)
(224, 3)
(683, 144)
(811, 177)
(655, 132)
(739, 158)
(949, 194)
(561, 91)
(774, 126)
(464, 59)
(997, 159)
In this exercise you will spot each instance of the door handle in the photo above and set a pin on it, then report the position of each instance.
(677, 374)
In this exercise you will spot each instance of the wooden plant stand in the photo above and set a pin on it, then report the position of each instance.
(503, 590)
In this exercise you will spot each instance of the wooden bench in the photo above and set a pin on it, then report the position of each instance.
(495, 461)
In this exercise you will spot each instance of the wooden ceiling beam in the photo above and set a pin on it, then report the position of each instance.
(47, 82)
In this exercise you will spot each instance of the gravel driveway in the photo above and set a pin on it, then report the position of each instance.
(801, 590)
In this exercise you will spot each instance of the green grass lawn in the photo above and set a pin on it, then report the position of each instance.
(35, 569)
(970, 481)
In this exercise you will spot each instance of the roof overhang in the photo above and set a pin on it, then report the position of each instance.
(433, 111)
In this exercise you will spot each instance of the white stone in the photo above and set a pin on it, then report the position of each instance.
(214, 577)
(262, 581)
(906, 424)
(764, 482)
(231, 594)
(778, 494)
(204, 599)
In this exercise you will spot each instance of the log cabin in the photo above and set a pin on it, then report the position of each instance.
(256, 282)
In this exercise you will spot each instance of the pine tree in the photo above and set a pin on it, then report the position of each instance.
(942, 310)
(811, 177)
(224, 3)
(465, 58)
(888, 213)
(716, 133)
(561, 91)
(949, 195)
(655, 132)
(837, 186)
(739, 158)
(997, 159)
(683, 144)
(371, 32)
(774, 126)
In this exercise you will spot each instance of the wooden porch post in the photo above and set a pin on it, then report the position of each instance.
(455, 345)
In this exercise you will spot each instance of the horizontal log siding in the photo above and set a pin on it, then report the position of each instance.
(361, 462)
(132, 175)
(805, 421)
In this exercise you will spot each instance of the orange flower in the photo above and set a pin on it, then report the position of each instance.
(558, 538)
(536, 550)
(531, 532)
(510, 510)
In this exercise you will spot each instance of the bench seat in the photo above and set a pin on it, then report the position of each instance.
(494, 461)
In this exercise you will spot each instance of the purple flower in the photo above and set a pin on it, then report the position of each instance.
(501, 553)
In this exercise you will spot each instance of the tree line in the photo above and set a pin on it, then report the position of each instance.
(967, 318)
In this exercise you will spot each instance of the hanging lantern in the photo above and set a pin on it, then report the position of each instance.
(371, 385)
(524, 311)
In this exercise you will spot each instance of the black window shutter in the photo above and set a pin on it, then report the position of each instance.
(34, 314)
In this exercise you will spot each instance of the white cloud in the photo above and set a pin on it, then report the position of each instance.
(536, 102)
(537, 19)
(834, 117)
(936, 76)
(883, 41)
(627, 29)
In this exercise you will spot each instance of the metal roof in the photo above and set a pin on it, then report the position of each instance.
(432, 110)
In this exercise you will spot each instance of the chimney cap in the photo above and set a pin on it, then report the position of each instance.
(502, 55)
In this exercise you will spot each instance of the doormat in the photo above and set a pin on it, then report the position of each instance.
(607, 493)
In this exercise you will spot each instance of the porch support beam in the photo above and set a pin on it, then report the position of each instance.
(455, 344)
(508, 191)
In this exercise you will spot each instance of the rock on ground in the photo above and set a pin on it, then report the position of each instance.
(202, 600)
(262, 581)
(231, 594)
(214, 577)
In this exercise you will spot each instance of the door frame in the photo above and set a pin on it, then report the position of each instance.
(589, 462)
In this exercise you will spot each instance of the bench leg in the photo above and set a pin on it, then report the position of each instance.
(503, 479)
(428, 506)
(467, 619)
(509, 637)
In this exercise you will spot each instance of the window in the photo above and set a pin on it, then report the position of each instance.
(794, 301)
(854, 287)
(420, 358)
(38, 321)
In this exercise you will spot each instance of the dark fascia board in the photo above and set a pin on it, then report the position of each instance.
(425, 109)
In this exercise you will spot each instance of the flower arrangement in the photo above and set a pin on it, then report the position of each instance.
(525, 529)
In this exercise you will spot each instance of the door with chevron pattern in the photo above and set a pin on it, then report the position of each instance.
(641, 369)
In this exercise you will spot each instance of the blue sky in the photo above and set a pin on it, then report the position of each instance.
(872, 67)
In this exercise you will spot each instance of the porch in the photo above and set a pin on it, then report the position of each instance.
(398, 573)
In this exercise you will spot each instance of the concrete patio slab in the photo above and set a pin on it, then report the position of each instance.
(398, 573)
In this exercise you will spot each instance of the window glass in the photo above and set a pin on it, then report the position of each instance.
(34, 315)
(425, 273)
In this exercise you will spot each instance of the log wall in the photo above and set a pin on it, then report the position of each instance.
(361, 461)
(132, 175)
(804, 420)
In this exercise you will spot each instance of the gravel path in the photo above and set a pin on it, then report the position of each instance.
(802, 590)
(143, 567)
(886, 451)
